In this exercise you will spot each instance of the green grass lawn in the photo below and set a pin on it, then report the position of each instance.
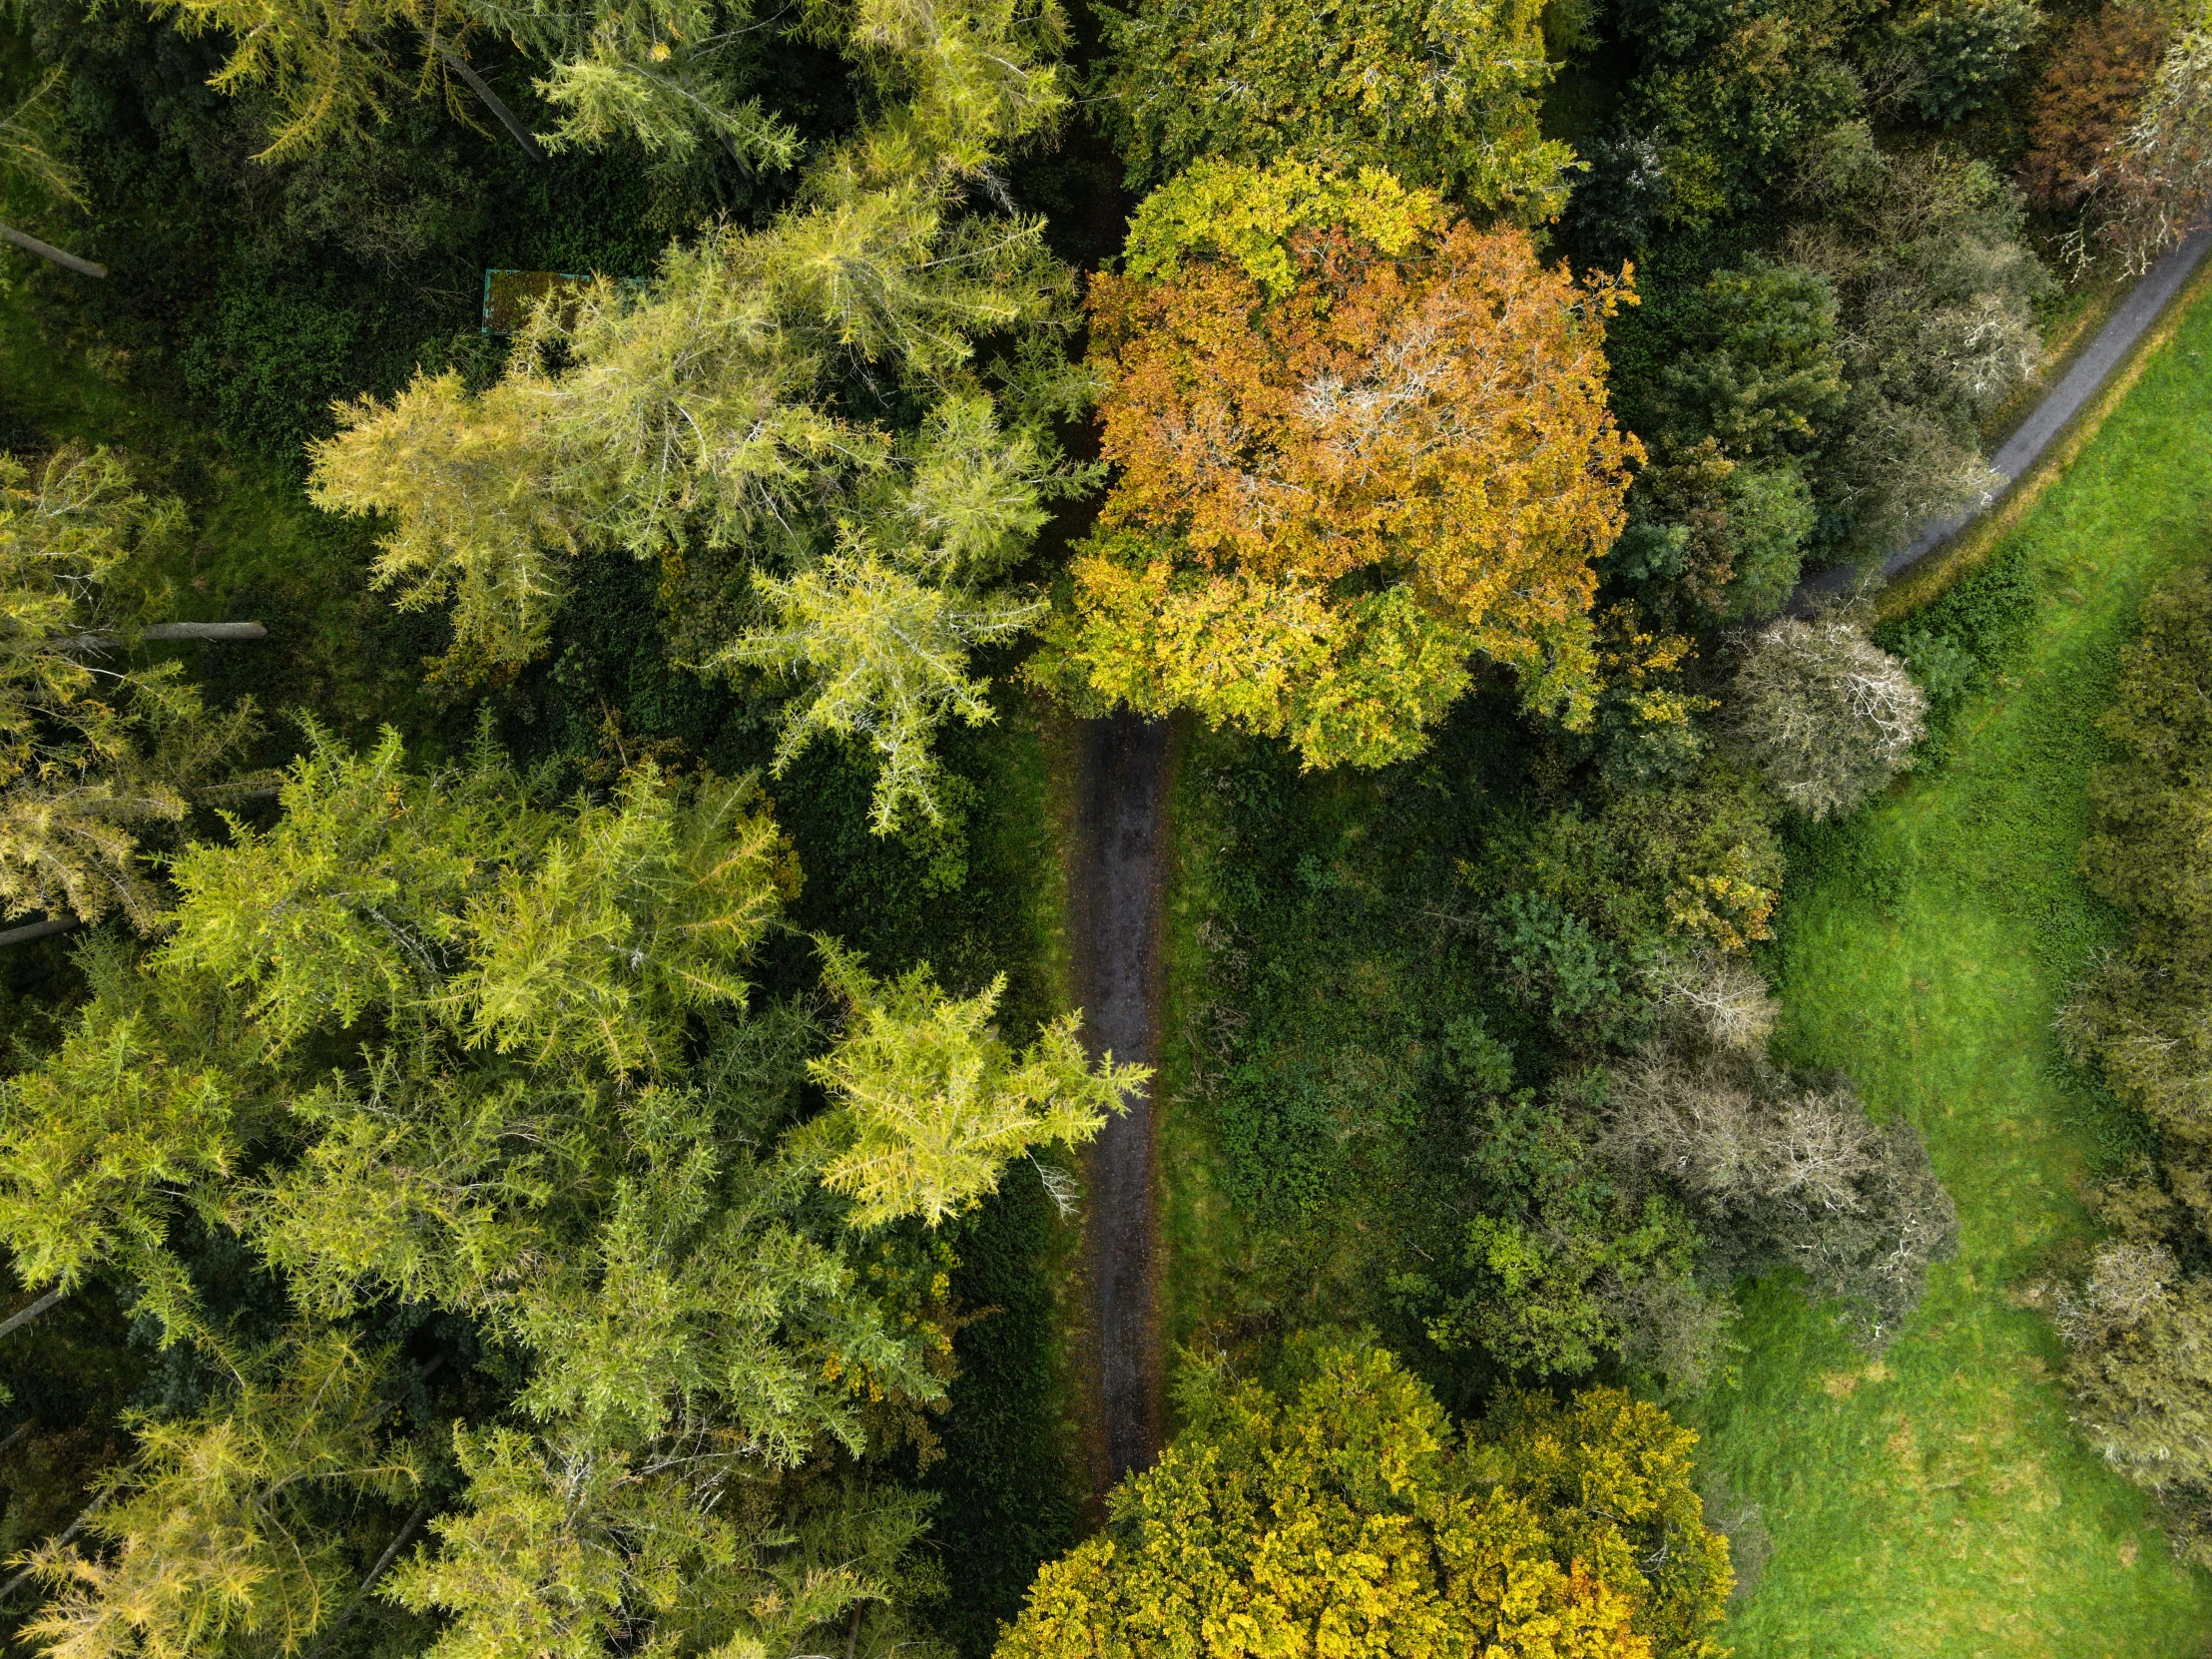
(1936, 1501)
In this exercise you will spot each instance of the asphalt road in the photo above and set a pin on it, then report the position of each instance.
(1119, 879)
(2081, 382)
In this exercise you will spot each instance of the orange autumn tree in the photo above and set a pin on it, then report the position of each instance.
(1359, 442)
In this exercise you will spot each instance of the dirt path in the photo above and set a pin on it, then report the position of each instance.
(1119, 879)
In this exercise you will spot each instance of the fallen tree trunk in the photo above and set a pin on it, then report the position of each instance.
(37, 930)
(493, 100)
(23, 1315)
(205, 631)
(47, 251)
(101, 639)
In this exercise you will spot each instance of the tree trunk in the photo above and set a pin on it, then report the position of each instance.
(47, 251)
(215, 631)
(23, 1315)
(399, 1542)
(76, 1526)
(205, 631)
(493, 100)
(35, 930)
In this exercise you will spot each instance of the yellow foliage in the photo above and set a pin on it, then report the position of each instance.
(1349, 1522)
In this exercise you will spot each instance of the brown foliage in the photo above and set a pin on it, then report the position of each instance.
(1442, 415)
(2088, 98)
(1421, 436)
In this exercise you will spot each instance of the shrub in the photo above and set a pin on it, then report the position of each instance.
(2137, 1313)
(1827, 716)
(1784, 1170)
(1957, 641)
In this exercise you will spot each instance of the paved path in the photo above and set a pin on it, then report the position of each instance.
(2145, 301)
(1120, 876)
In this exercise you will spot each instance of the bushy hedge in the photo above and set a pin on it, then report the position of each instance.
(2136, 1310)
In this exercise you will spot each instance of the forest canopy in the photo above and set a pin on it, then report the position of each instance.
(566, 877)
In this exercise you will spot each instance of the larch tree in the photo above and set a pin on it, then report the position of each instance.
(931, 1104)
(90, 756)
(436, 1041)
(28, 160)
(333, 67)
(1347, 1513)
(718, 422)
(1359, 442)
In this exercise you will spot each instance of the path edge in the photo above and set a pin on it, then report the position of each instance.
(1932, 575)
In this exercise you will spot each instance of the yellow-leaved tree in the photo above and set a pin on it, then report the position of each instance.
(1345, 1516)
(931, 1104)
(91, 754)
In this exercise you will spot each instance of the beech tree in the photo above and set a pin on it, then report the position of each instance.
(1358, 442)
(1348, 1504)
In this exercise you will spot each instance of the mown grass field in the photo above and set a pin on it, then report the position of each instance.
(1936, 1501)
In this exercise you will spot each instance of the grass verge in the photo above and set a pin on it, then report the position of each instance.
(1936, 1501)
(1009, 1480)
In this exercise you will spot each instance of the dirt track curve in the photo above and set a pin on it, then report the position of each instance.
(1118, 877)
